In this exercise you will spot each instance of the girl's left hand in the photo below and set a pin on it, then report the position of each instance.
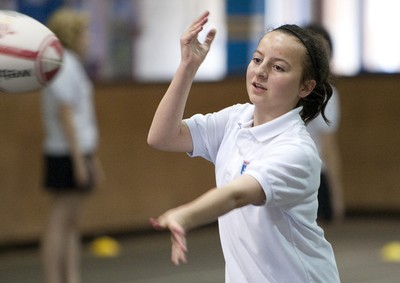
(178, 236)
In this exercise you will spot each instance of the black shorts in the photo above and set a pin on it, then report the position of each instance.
(59, 174)
(325, 210)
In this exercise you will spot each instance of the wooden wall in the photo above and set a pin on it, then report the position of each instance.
(142, 182)
(369, 140)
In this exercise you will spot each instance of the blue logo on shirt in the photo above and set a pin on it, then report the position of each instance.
(244, 165)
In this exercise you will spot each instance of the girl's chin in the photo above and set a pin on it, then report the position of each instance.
(255, 98)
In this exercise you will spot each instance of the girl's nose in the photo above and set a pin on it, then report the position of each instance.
(261, 72)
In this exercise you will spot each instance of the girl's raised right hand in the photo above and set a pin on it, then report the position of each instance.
(192, 51)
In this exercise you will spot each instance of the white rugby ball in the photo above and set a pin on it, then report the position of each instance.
(30, 54)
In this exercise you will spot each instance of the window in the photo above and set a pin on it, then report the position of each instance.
(342, 19)
(381, 39)
(157, 51)
(364, 32)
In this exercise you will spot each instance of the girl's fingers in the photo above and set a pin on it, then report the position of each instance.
(210, 37)
(179, 247)
(202, 19)
(178, 255)
(179, 240)
(198, 24)
(156, 224)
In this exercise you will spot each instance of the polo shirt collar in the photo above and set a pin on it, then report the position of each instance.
(273, 128)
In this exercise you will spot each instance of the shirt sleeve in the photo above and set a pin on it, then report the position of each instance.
(207, 133)
(63, 85)
(332, 112)
(288, 174)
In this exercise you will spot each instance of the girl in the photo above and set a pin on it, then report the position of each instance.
(71, 166)
(267, 166)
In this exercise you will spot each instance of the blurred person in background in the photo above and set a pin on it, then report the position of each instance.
(330, 194)
(71, 167)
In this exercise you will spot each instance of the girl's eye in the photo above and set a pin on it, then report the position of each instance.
(256, 60)
(278, 68)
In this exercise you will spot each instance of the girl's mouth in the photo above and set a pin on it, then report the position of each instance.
(258, 86)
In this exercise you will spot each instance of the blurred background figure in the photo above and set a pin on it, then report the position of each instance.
(71, 168)
(330, 195)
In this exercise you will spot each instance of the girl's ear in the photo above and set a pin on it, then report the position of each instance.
(307, 88)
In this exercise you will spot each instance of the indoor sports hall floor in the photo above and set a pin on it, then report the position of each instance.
(144, 258)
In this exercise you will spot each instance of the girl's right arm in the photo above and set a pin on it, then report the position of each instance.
(167, 131)
(80, 170)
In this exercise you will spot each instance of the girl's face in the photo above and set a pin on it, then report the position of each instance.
(274, 75)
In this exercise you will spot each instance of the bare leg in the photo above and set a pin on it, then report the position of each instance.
(72, 266)
(60, 244)
(73, 244)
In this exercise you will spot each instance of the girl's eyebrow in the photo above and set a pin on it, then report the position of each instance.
(275, 59)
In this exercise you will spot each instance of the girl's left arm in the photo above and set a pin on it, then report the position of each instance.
(206, 209)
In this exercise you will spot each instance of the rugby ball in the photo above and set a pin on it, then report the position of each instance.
(30, 54)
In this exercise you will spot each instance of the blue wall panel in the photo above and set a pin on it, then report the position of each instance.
(240, 42)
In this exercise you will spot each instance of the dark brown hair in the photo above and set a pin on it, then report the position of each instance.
(316, 67)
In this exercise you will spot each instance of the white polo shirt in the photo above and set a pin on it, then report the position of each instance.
(279, 241)
(318, 126)
(71, 86)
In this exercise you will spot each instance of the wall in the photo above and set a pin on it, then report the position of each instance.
(369, 139)
(142, 182)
